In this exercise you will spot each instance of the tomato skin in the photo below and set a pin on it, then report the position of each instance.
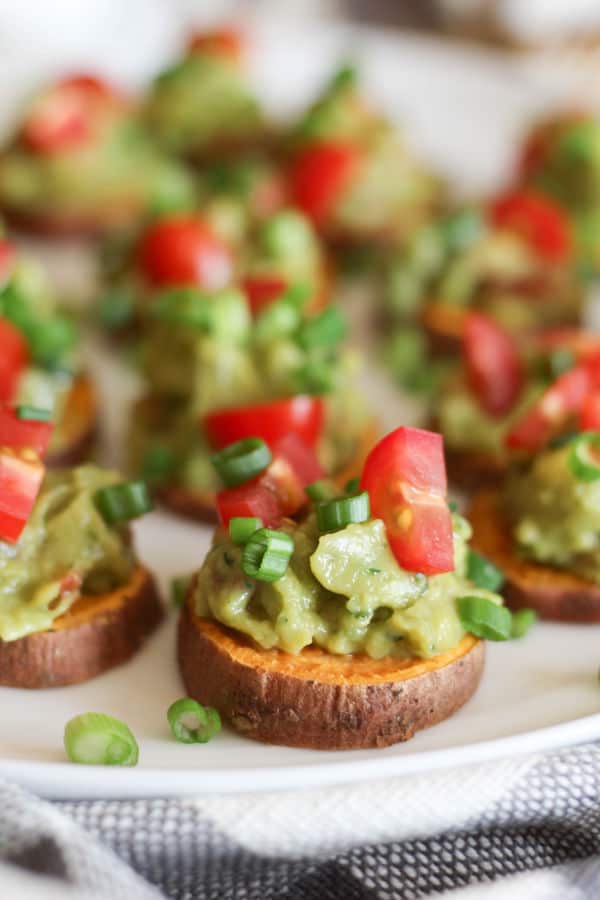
(181, 250)
(405, 476)
(20, 433)
(261, 291)
(301, 457)
(494, 369)
(561, 401)
(303, 415)
(8, 254)
(226, 42)
(250, 499)
(319, 176)
(590, 412)
(14, 356)
(21, 474)
(540, 221)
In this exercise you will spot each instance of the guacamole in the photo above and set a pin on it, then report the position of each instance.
(343, 591)
(64, 536)
(555, 517)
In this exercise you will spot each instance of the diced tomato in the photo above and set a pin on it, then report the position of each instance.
(405, 476)
(590, 412)
(558, 404)
(319, 176)
(89, 84)
(251, 499)
(8, 253)
(494, 368)
(262, 290)
(21, 474)
(226, 42)
(182, 249)
(303, 415)
(14, 356)
(22, 433)
(533, 153)
(268, 195)
(540, 221)
(301, 457)
(282, 480)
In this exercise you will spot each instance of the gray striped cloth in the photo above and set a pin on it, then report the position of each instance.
(538, 838)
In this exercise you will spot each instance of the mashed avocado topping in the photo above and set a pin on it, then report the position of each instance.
(555, 516)
(343, 591)
(66, 550)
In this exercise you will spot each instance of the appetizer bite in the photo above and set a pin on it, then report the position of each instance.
(41, 377)
(80, 162)
(348, 622)
(74, 601)
(352, 173)
(215, 374)
(202, 106)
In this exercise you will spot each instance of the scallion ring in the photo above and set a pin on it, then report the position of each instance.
(522, 621)
(241, 528)
(95, 739)
(192, 723)
(484, 618)
(242, 461)
(122, 502)
(584, 456)
(32, 413)
(352, 486)
(267, 554)
(321, 490)
(483, 573)
(324, 330)
(332, 515)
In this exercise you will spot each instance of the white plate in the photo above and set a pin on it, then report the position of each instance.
(463, 109)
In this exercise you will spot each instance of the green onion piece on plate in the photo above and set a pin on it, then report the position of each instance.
(522, 621)
(321, 490)
(484, 618)
(332, 515)
(192, 723)
(179, 588)
(267, 554)
(324, 330)
(32, 413)
(122, 502)
(483, 573)
(241, 528)
(584, 457)
(94, 739)
(352, 486)
(241, 461)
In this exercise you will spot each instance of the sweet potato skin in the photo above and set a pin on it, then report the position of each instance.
(553, 593)
(319, 701)
(95, 635)
(80, 425)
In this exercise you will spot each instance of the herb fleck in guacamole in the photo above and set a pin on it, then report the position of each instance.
(343, 591)
(65, 534)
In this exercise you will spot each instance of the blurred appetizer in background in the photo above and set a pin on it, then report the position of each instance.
(356, 613)
(80, 161)
(202, 106)
(42, 381)
(352, 173)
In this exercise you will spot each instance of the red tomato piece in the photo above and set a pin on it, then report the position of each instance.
(8, 253)
(14, 356)
(21, 474)
(303, 415)
(286, 486)
(183, 250)
(22, 433)
(301, 457)
(89, 84)
(494, 368)
(226, 42)
(261, 291)
(542, 223)
(65, 116)
(319, 176)
(250, 499)
(405, 476)
(552, 411)
(590, 412)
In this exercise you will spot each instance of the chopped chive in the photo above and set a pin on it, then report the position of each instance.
(352, 486)
(453, 506)
(483, 573)
(158, 464)
(241, 461)
(563, 440)
(321, 490)
(332, 515)
(522, 621)
(121, 502)
(179, 588)
(584, 456)
(241, 528)
(484, 618)
(192, 723)
(267, 554)
(32, 413)
(95, 739)
(324, 330)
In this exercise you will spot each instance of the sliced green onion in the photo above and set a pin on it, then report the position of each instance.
(33, 413)
(352, 486)
(95, 739)
(584, 457)
(522, 622)
(192, 723)
(280, 318)
(563, 440)
(121, 502)
(324, 330)
(462, 228)
(321, 490)
(241, 461)
(315, 377)
(179, 588)
(241, 528)
(158, 464)
(335, 514)
(181, 306)
(49, 341)
(267, 554)
(453, 506)
(484, 618)
(115, 309)
(483, 573)
(345, 77)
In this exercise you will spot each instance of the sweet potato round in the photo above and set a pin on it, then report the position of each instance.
(96, 634)
(318, 700)
(79, 425)
(553, 593)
